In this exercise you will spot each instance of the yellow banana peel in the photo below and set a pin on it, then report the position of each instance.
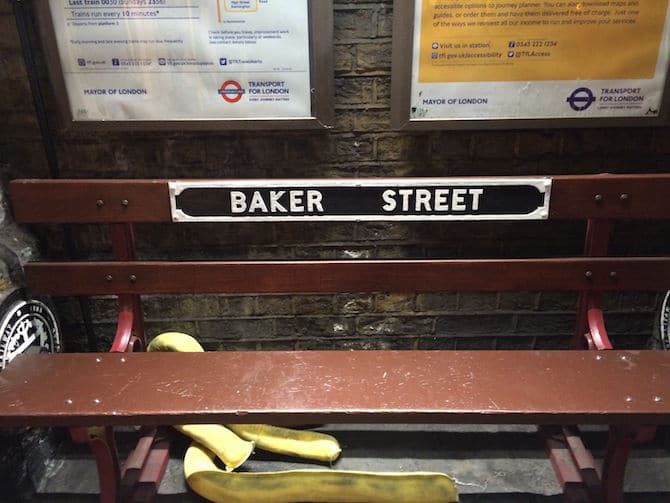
(334, 486)
(233, 450)
(304, 444)
(176, 342)
(229, 448)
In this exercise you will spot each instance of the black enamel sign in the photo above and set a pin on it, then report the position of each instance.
(364, 200)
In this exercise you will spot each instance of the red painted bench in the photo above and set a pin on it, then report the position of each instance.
(594, 384)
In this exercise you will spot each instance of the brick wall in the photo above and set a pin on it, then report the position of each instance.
(361, 144)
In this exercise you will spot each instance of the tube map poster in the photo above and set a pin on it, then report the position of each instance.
(509, 59)
(166, 60)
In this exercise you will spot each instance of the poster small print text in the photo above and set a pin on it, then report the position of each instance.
(172, 60)
(510, 59)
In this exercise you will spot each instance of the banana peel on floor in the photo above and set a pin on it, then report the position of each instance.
(299, 443)
(235, 443)
(317, 486)
(234, 447)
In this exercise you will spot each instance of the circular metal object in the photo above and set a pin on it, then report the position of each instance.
(598, 198)
(27, 325)
(664, 323)
(100, 203)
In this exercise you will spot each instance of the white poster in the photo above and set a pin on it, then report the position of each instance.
(166, 60)
(505, 59)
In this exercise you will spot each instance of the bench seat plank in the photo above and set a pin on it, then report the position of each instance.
(521, 387)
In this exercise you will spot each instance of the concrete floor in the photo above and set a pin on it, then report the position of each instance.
(490, 464)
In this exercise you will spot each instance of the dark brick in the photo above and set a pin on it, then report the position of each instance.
(630, 323)
(437, 343)
(154, 328)
(345, 58)
(238, 306)
(468, 343)
(313, 304)
(467, 325)
(395, 148)
(539, 324)
(375, 325)
(394, 302)
(436, 302)
(239, 328)
(477, 301)
(382, 90)
(558, 301)
(554, 342)
(268, 305)
(354, 90)
(312, 326)
(166, 307)
(639, 301)
(515, 342)
(518, 301)
(373, 57)
(355, 24)
(348, 303)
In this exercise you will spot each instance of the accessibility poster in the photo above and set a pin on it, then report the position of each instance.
(509, 59)
(167, 60)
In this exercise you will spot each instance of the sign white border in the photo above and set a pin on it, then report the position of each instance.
(543, 185)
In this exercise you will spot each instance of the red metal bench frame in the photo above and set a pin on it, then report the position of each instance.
(599, 199)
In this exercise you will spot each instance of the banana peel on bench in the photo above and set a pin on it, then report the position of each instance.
(234, 447)
(334, 486)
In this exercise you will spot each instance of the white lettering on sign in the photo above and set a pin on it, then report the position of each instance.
(430, 200)
(299, 201)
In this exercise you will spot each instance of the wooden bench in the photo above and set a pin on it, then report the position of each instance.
(624, 389)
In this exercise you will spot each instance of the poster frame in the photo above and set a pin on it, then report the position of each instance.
(401, 93)
(322, 77)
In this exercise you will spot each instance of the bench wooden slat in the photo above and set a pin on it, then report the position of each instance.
(521, 387)
(573, 197)
(81, 278)
(74, 201)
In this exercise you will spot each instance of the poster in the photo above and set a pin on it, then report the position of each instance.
(509, 59)
(167, 60)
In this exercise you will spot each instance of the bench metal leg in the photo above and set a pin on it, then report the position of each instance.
(590, 332)
(130, 327)
(575, 468)
(145, 466)
(103, 445)
(621, 441)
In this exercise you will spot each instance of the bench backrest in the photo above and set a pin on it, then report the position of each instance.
(596, 198)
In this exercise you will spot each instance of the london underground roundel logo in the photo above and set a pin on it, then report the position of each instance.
(27, 326)
(231, 91)
(581, 99)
